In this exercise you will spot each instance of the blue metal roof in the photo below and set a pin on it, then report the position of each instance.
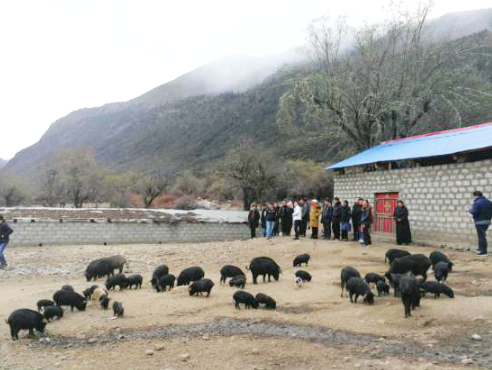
(424, 146)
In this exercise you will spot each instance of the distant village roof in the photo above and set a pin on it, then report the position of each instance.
(423, 146)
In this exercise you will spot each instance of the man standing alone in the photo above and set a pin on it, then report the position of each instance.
(482, 213)
(5, 232)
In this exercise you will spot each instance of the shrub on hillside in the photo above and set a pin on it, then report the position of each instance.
(186, 203)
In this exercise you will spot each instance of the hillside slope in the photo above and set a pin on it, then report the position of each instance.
(191, 122)
(114, 130)
(3, 162)
(459, 24)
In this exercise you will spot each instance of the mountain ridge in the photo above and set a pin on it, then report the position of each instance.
(193, 120)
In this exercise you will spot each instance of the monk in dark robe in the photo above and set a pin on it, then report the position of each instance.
(403, 234)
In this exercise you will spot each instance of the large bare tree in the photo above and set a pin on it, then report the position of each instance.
(149, 187)
(72, 176)
(251, 169)
(386, 84)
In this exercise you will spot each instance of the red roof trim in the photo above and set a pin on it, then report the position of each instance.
(438, 133)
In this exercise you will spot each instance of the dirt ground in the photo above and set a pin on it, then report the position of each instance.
(312, 328)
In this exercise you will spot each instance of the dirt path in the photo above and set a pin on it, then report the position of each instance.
(313, 318)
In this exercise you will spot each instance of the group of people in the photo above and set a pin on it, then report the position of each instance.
(338, 220)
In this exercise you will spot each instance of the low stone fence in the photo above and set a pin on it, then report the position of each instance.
(31, 232)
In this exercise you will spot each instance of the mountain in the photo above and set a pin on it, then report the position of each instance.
(115, 131)
(191, 122)
(236, 73)
(458, 24)
(3, 162)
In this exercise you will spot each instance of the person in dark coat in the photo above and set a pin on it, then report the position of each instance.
(5, 232)
(253, 220)
(345, 217)
(263, 220)
(336, 219)
(481, 211)
(356, 210)
(305, 216)
(276, 227)
(403, 234)
(365, 223)
(326, 218)
(286, 218)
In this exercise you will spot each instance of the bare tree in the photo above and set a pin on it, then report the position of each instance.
(150, 187)
(12, 190)
(386, 85)
(248, 166)
(52, 187)
(82, 176)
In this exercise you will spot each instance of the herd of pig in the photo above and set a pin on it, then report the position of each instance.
(404, 267)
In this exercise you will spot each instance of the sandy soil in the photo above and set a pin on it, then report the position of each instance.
(312, 328)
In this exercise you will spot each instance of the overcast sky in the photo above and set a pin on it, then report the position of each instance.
(57, 56)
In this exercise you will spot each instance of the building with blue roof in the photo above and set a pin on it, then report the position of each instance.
(435, 174)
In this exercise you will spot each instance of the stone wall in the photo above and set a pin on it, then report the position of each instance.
(437, 197)
(77, 232)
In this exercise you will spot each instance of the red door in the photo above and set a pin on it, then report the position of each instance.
(385, 207)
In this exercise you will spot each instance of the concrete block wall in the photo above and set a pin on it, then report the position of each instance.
(438, 197)
(52, 232)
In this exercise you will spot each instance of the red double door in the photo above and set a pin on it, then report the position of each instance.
(385, 208)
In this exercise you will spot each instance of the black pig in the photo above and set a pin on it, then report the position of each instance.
(383, 288)
(159, 272)
(394, 253)
(302, 258)
(358, 287)
(52, 312)
(44, 303)
(118, 309)
(417, 264)
(437, 256)
(264, 266)
(201, 286)
(25, 319)
(119, 280)
(72, 299)
(268, 301)
(164, 282)
(238, 281)
(104, 301)
(190, 275)
(441, 271)
(437, 289)
(229, 271)
(246, 298)
(304, 275)
(347, 273)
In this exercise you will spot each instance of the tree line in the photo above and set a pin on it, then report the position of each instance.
(75, 178)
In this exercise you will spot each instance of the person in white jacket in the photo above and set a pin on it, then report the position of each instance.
(297, 219)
